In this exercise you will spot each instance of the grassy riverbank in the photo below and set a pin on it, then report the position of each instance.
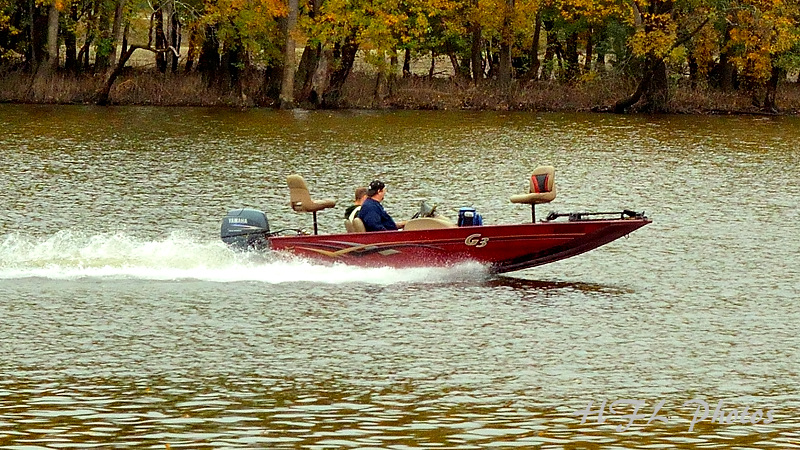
(150, 88)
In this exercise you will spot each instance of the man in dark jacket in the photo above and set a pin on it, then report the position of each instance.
(373, 215)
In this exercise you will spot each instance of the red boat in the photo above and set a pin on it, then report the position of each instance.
(433, 241)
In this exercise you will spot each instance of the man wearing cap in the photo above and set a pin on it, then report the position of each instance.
(373, 215)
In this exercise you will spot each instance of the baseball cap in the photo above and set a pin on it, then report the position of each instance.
(375, 186)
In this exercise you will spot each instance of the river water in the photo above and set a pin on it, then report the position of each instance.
(125, 323)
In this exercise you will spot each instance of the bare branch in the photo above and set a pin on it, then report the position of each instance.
(686, 38)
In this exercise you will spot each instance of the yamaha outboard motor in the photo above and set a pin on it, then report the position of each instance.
(245, 228)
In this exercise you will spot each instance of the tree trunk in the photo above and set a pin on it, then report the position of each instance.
(504, 70)
(381, 85)
(393, 60)
(571, 58)
(722, 74)
(407, 63)
(691, 61)
(271, 87)
(727, 73)
(194, 39)
(549, 50)
(71, 40)
(600, 64)
(103, 45)
(270, 91)
(308, 61)
(454, 62)
(306, 70)
(116, 32)
(36, 51)
(493, 61)
(233, 58)
(52, 38)
(476, 61)
(347, 55)
(209, 60)
(166, 36)
(533, 70)
(321, 78)
(657, 96)
(83, 55)
(290, 58)
(770, 105)
(49, 54)
(161, 41)
(587, 63)
(507, 40)
(102, 97)
(124, 44)
(653, 88)
(31, 52)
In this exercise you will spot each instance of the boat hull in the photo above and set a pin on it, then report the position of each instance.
(502, 248)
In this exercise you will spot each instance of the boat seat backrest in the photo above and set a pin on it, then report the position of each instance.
(358, 225)
(300, 198)
(542, 187)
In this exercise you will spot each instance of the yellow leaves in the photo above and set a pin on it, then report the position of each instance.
(705, 48)
(491, 13)
(499, 18)
(593, 11)
(6, 25)
(250, 23)
(657, 37)
(762, 30)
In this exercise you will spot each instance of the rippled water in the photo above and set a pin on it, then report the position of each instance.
(125, 322)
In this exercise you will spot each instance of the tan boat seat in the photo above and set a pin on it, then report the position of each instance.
(428, 223)
(300, 199)
(358, 225)
(542, 189)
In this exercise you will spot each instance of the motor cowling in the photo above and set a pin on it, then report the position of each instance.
(245, 228)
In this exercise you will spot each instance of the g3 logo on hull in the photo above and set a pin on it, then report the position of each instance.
(476, 240)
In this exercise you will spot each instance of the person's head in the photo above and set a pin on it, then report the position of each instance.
(377, 190)
(361, 194)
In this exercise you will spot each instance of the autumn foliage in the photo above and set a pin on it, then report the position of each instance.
(239, 47)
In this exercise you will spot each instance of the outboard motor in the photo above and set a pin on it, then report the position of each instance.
(245, 229)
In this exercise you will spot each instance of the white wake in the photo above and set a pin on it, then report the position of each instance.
(74, 255)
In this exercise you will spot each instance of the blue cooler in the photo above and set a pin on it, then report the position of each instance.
(469, 217)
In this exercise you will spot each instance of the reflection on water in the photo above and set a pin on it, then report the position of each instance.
(538, 286)
(291, 413)
(125, 322)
